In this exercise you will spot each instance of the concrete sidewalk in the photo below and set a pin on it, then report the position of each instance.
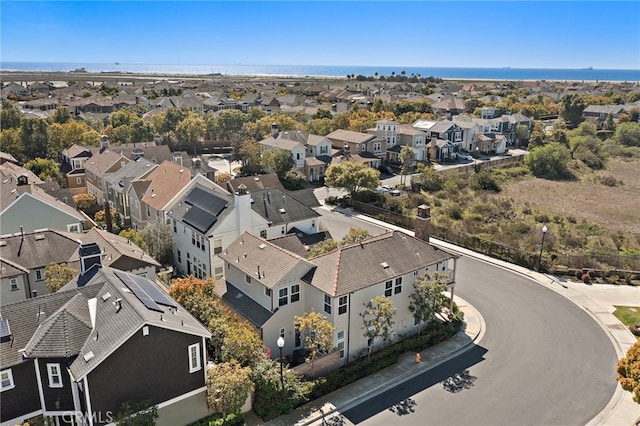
(597, 300)
(406, 368)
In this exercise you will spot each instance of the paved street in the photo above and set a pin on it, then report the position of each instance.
(541, 361)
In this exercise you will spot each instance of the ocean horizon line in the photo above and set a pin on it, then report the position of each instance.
(336, 71)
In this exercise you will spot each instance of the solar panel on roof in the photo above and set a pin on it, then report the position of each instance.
(207, 201)
(199, 219)
(139, 292)
(158, 296)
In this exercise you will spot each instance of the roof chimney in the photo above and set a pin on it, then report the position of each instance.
(274, 130)
(89, 255)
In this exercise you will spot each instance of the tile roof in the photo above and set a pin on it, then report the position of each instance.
(250, 309)
(257, 182)
(38, 249)
(100, 163)
(350, 136)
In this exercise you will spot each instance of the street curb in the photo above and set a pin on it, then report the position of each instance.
(423, 367)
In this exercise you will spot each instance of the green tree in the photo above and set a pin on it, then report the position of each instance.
(279, 161)
(271, 397)
(63, 136)
(571, 110)
(323, 247)
(11, 143)
(196, 296)
(377, 318)
(133, 413)
(428, 298)
(430, 180)
(191, 130)
(123, 117)
(228, 386)
(549, 161)
(407, 158)
(628, 134)
(43, 168)
(134, 236)
(251, 160)
(317, 333)
(222, 179)
(628, 371)
(84, 201)
(141, 131)
(103, 221)
(608, 123)
(57, 275)
(34, 136)
(352, 176)
(354, 235)
(243, 344)
(10, 116)
(521, 133)
(159, 240)
(61, 115)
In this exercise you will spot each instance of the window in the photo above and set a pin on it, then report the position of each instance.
(263, 233)
(55, 377)
(324, 149)
(14, 284)
(217, 246)
(194, 358)
(6, 377)
(377, 146)
(175, 228)
(327, 303)
(39, 274)
(247, 278)
(295, 293)
(282, 296)
(388, 287)
(341, 343)
(73, 228)
(458, 136)
(78, 181)
(179, 256)
(398, 288)
(218, 272)
(342, 305)
(282, 332)
(267, 292)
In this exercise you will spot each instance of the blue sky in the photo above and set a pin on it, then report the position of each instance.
(544, 34)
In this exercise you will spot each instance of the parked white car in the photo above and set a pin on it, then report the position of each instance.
(463, 156)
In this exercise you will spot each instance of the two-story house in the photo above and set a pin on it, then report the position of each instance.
(207, 219)
(72, 166)
(270, 285)
(97, 167)
(444, 138)
(409, 136)
(152, 197)
(119, 182)
(66, 355)
(360, 147)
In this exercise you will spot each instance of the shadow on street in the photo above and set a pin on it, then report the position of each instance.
(453, 375)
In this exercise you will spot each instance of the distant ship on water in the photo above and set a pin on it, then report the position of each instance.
(117, 63)
(587, 69)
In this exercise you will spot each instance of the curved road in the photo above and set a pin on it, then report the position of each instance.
(541, 361)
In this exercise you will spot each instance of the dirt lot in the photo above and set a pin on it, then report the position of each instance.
(616, 208)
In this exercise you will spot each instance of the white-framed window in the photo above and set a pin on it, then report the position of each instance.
(267, 292)
(247, 278)
(458, 136)
(195, 363)
(179, 256)
(295, 293)
(324, 149)
(78, 181)
(73, 228)
(40, 274)
(327, 303)
(175, 228)
(14, 284)
(282, 332)
(342, 305)
(388, 288)
(341, 343)
(55, 375)
(283, 298)
(6, 380)
(263, 233)
(217, 246)
(377, 146)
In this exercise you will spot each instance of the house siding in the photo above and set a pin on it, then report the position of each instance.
(23, 398)
(159, 375)
(56, 399)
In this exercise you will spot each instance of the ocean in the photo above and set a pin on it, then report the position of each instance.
(505, 73)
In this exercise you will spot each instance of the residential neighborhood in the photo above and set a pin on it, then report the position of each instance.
(233, 184)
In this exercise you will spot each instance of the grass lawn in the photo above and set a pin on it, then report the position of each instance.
(627, 314)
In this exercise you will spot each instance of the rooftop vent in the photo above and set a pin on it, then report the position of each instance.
(282, 211)
(106, 296)
(262, 246)
(88, 356)
(385, 265)
(39, 237)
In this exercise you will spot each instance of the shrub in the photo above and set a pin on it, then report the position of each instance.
(232, 419)
(485, 181)
(586, 278)
(609, 180)
(579, 274)
(549, 161)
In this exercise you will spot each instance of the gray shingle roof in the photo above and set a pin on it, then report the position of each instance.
(279, 207)
(358, 266)
(38, 249)
(250, 309)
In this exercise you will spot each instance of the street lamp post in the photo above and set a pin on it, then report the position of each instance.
(544, 232)
(280, 346)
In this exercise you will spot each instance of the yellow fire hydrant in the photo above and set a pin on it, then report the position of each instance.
(418, 358)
